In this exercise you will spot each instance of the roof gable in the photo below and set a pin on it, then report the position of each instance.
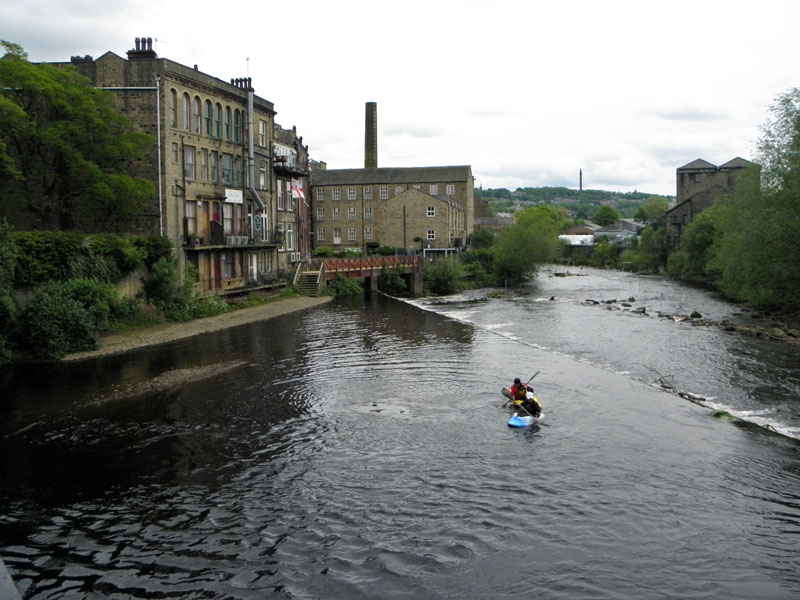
(736, 163)
(392, 175)
(698, 163)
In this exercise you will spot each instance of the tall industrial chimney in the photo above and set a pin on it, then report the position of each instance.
(371, 136)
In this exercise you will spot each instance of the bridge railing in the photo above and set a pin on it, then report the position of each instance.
(369, 262)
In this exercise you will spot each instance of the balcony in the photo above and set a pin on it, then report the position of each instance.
(289, 164)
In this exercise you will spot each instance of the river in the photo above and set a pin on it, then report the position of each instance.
(360, 450)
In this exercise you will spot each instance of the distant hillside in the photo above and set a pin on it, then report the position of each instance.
(581, 203)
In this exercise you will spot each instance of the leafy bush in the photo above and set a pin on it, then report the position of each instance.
(8, 261)
(122, 250)
(155, 248)
(444, 276)
(45, 256)
(605, 256)
(345, 286)
(323, 252)
(385, 251)
(55, 324)
(99, 299)
(391, 281)
(163, 287)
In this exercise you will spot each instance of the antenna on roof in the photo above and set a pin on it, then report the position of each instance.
(155, 43)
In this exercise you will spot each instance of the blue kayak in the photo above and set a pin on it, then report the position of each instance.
(525, 419)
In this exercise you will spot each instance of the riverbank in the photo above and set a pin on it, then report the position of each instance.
(117, 343)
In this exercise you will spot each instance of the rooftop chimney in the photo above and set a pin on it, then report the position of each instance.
(371, 136)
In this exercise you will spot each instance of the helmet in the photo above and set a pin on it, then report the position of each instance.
(516, 380)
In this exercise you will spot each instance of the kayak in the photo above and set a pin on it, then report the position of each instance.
(524, 419)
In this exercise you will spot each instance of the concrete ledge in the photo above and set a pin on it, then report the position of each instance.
(8, 591)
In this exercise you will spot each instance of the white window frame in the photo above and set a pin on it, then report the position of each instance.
(262, 175)
(431, 234)
(189, 170)
(398, 189)
(431, 212)
(320, 234)
(450, 189)
(337, 236)
(336, 194)
(320, 213)
(367, 233)
(351, 234)
(384, 192)
(434, 190)
(262, 133)
(351, 193)
(337, 214)
(320, 194)
(367, 212)
(351, 213)
(368, 193)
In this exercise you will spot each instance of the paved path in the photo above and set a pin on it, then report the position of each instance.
(117, 343)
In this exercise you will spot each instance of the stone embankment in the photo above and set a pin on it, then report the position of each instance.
(117, 343)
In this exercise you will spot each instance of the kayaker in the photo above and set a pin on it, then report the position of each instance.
(522, 393)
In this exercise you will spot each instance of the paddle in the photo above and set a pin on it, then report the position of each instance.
(526, 384)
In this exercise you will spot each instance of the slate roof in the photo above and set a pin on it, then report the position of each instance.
(391, 175)
(736, 163)
(698, 163)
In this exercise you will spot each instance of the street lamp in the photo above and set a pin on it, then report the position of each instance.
(421, 250)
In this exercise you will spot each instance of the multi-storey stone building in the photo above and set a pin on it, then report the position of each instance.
(699, 184)
(230, 182)
(361, 209)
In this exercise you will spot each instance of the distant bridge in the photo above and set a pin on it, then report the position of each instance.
(311, 279)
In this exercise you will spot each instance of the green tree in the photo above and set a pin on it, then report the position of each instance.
(653, 208)
(649, 254)
(66, 155)
(444, 276)
(481, 238)
(691, 261)
(605, 215)
(531, 241)
(8, 261)
(755, 253)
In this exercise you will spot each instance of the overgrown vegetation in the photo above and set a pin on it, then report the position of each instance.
(345, 286)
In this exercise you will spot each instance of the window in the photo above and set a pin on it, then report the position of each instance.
(214, 167)
(337, 236)
(431, 234)
(218, 120)
(227, 169)
(237, 172)
(351, 234)
(188, 162)
(281, 201)
(281, 237)
(264, 262)
(196, 115)
(351, 213)
(262, 133)
(185, 111)
(434, 189)
(191, 217)
(320, 194)
(367, 233)
(698, 177)
(398, 189)
(173, 108)
(367, 212)
(368, 193)
(203, 165)
(237, 127)
(451, 189)
(384, 192)
(174, 152)
(416, 187)
(228, 123)
(351, 193)
(320, 214)
(228, 268)
(208, 118)
(289, 236)
(320, 234)
(227, 218)
(431, 211)
(262, 175)
(337, 193)
(337, 213)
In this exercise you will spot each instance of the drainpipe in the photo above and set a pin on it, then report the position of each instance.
(251, 161)
(158, 137)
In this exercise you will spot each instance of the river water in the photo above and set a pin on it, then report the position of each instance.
(360, 450)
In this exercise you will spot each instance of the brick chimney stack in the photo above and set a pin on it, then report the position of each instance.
(371, 136)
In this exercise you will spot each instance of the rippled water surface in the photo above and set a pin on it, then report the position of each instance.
(360, 450)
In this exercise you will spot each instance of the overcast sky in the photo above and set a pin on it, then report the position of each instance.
(526, 92)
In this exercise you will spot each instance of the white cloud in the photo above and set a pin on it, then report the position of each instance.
(527, 93)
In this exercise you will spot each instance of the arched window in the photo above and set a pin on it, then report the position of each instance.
(237, 126)
(209, 130)
(218, 120)
(185, 109)
(228, 123)
(197, 116)
(173, 108)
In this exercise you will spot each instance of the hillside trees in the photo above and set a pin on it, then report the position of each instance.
(66, 155)
(605, 215)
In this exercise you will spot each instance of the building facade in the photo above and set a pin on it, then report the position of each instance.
(225, 172)
(362, 209)
(699, 184)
